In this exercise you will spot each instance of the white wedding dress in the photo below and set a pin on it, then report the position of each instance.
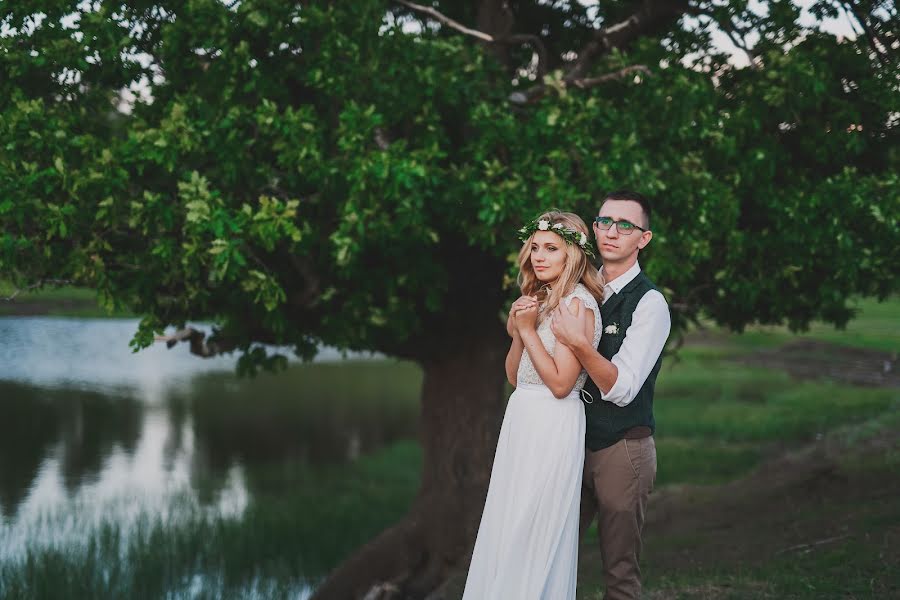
(527, 545)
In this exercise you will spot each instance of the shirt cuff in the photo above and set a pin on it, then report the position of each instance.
(618, 393)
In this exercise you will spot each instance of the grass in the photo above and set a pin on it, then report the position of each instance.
(848, 551)
(850, 569)
(56, 301)
(875, 326)
(718, 421)
(271, 550)
(301, 520)
(830, 532)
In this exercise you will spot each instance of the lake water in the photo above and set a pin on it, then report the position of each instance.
(92, 434)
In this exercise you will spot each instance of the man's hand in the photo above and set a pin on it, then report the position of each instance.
(567, 325)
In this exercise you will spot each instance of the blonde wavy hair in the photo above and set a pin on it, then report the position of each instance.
(577, 269)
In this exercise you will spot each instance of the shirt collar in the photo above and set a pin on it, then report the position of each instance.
(624, 279)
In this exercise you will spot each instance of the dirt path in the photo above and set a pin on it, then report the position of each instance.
(770, 510)
(812, 359)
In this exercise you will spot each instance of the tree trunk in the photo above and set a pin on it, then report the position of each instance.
(462, 408)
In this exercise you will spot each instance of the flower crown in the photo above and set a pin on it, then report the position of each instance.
(572, 236)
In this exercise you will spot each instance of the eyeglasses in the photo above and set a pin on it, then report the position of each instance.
(623, 227)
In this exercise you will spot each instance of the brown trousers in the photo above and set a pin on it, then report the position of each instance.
(617, 481)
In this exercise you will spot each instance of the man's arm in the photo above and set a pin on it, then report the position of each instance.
(644, 341)
(566, 328)
(601, 371)
(560, 371)
(621, 378)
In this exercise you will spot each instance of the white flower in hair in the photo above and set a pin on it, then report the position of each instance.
(571, 236)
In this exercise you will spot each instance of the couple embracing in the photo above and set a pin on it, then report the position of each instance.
(576, 439)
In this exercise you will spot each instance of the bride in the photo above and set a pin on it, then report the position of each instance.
(527, 545)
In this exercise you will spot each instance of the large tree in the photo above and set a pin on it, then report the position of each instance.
(353, 174)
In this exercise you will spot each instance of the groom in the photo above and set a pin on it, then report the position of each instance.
(620, 458)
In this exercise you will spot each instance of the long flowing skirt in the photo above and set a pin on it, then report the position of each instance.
(527, 545)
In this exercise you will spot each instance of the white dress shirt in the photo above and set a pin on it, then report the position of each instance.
(644, 339)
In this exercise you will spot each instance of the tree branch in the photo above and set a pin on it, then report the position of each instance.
(517, 38)
(593, 81)
(536, 44)
(877, 46)
(312, 282)
(197, 339)
(731, 29)
(441, 18)
(651, 14)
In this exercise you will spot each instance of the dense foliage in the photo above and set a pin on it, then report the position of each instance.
(353, 173)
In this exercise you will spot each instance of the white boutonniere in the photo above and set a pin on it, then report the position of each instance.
(612, 329)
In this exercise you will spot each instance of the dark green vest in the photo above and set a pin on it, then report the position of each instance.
(606, 422)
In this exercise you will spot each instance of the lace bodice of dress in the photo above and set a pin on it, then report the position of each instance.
(527, 373)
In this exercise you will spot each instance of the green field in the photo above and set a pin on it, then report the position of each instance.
(768, 487)
(52, 300)
(773, 487)
(876, 326)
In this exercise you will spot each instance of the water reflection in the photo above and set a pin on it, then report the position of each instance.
(93, 354)
(91, 433)
(309, 415)
(80, 429)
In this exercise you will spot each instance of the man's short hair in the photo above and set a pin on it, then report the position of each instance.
(634, 197)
